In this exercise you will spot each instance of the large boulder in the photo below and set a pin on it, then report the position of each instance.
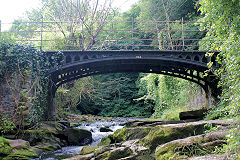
(48, 132)
(19, 144)
(197, 114)
(187, 147)
(77, 136)
(165, 141)
(105, 129)
(15, 149)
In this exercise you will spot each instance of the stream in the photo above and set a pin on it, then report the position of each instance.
(94, 127)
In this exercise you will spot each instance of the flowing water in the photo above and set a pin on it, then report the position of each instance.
(94, 127)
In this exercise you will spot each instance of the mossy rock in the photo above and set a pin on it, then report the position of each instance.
(19, 144)
(38, 149)
(177, 149)
(101, 150)
(77, 136)
(88, 149)
(105, 141)
(163, 134)
(22, 154)
(126, 134)
(36, 137)
(119, 153)
(5, 147)
(74, 124)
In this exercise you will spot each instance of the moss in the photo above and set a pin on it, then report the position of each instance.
(44, 147)
(105, 141)
(101, 150)
(129, 134)
(119, 153)
(72, 125)
(87, 150)
(5, 147)
(22, 154)
(161, 134)
(180, 148)
(36, 137)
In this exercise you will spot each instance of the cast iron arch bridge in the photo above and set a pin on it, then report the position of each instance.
(188, 65)
(142, 46)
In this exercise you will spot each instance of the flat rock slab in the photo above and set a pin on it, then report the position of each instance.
(146, 123)
(19, 143)
(210, 157)
(138, 123)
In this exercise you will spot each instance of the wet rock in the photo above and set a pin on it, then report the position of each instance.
(77, 136)
(105, 129)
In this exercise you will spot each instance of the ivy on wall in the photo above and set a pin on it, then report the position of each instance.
(24, 61)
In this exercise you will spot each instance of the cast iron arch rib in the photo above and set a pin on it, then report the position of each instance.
(188, 65)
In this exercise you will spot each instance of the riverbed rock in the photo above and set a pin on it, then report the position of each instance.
(19, 144)
(105, 129)
(19, 150)
(118, 153)
(152, 123)
(5, 147)
(88, 149)
(210, 157)
(38, 149)
(77, 136)
(48, 132)
(200, 145)
(167, 140)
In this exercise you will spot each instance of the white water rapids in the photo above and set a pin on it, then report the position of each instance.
(94, 127)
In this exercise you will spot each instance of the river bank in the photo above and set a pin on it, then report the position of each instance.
(92, 137)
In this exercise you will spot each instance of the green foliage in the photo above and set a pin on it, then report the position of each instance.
(167, 93)
(233, 139)
(161, 10)
(20, 62)
(221, 19)
(6, 125)
(209, 128)
(117, 94)
(5, 147)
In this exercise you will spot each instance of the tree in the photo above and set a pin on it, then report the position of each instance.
(221, 19)
(79, 21)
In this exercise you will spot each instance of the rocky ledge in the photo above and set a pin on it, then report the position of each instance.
(161, 140)
(48, 137)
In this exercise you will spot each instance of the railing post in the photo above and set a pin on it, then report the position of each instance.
(41, 34)
(0, 28)
(182, 35)
(132, 33)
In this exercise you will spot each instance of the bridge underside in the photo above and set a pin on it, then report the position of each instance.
(192, 70)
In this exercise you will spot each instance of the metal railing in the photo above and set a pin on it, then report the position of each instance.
(107, 35)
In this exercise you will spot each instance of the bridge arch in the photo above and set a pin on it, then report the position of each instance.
(188, 65)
